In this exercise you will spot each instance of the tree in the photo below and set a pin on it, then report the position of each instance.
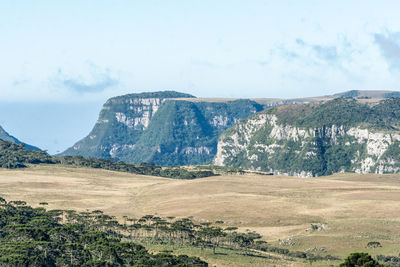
(360, 259)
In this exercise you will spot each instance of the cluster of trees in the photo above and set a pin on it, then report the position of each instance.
(176, 232)
(143, 168)
(360, 259)
(16, 156)
(36, 237)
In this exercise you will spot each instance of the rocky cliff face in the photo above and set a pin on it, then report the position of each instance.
(161, 128)
(316, 139)
(121, 122)
(7, 137)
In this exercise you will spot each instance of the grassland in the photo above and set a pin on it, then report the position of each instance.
(355, 209)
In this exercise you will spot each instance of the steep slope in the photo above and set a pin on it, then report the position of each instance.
(160, 128)
(316, 139)
(184, 132)
(121, 122)
(7, 137)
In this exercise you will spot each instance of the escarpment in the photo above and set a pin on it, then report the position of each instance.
(306, 140)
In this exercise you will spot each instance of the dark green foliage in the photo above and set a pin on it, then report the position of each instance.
(360, 259)
(143, 168)
(34, 237)
(16, 156)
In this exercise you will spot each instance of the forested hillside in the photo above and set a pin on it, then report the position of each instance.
(161, 129)
(341, 135)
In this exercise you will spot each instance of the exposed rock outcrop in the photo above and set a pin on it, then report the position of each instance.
(316, 139)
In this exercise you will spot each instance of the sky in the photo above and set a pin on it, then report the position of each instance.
(61, 60)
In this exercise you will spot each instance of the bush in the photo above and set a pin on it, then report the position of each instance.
(360, 259)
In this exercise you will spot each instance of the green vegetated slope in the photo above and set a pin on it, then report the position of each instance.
(317, 139)
(7, 137)
(152, 127)
(184, 132)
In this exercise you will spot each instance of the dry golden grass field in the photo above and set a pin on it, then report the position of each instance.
(355, 209)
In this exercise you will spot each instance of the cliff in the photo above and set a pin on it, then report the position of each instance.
(306, 140)
(160, 128)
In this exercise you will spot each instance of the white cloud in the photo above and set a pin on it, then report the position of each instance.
(389, 45)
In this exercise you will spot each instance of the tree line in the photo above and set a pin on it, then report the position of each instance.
(36, 237)
(16, 156)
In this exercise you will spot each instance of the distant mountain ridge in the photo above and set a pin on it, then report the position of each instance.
(159, 128)
(7, 137)
(368, 94)
(171, 128)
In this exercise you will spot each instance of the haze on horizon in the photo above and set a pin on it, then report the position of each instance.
(61, 60)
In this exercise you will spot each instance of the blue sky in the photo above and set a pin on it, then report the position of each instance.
(76, 54)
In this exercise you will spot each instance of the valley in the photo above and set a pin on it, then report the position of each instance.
(347, 210)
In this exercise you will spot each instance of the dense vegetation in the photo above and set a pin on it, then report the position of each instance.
(16, 156)
(321, 152)
(177, 132)
(36, 237)
(360, 260)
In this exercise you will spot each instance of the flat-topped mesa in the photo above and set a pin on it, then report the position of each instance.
(308, 140)
(161, 128)
(121, 122)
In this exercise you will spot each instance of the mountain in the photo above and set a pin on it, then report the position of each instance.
(367, 94)
(7, 137)
(306, 140)
(166, 128)
(171, 128)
